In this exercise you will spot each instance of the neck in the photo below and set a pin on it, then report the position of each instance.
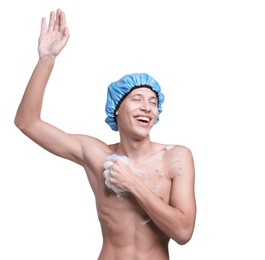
(134, 148)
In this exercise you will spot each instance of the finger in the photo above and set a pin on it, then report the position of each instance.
(43, 26)
(57, 20)
(51, 22)
(66, 32)
(65, 36)
(62, 22)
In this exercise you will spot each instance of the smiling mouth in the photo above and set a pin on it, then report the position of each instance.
(143, 119)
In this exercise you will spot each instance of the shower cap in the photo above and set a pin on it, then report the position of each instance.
(119, 90)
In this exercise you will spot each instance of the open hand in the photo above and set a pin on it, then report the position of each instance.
(53, 39)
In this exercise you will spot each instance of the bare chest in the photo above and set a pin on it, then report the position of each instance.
(156, 177)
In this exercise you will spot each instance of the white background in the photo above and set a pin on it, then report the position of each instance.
(208, 57)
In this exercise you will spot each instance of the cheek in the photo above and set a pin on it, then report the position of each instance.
(155, 112)
(123, 116)
(128, 109)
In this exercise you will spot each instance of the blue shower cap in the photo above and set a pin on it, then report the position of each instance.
(118, 91)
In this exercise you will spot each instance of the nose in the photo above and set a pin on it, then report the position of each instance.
(146, 106)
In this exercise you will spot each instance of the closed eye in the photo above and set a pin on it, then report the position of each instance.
(137, 100)
(153, 101)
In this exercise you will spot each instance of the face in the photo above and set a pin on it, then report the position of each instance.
(138, 111)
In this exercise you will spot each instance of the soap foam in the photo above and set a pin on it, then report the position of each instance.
(107, 166)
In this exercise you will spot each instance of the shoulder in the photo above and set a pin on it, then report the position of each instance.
(173, 150)
(179, 158)
(177, 150)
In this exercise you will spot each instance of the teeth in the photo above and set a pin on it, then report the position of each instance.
(142, 118)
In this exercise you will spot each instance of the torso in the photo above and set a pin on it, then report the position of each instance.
(127, 231)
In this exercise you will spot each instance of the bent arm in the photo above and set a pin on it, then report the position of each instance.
(177, 219)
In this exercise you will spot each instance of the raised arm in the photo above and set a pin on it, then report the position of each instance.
(52, 40)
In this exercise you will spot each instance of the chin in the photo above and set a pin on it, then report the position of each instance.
(142, 132)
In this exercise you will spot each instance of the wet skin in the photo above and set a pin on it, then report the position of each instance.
(127, 230)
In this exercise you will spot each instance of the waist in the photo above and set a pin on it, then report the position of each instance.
(132, 251)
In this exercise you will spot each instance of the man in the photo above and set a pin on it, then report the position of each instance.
(144, 190)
